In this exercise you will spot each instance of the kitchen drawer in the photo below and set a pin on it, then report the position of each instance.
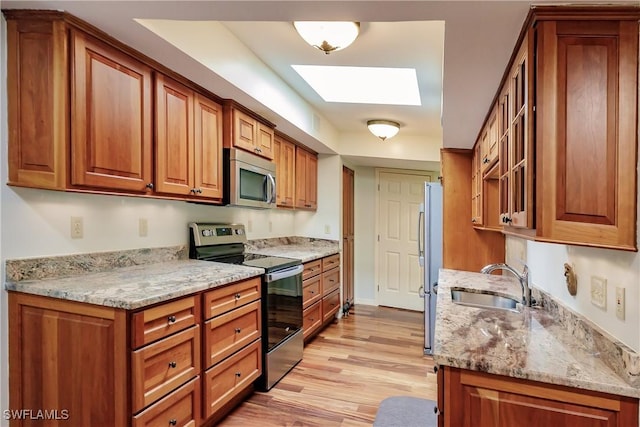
(162, 366)
(311, 269)
(330, 262)
(311, 291)
(330, 281)
(330, 305)
(163, 320)
(228, 333)
(229, 377)
(312, 319)
(226, 298)
(181, 408)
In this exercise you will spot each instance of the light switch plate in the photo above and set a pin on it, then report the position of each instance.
(599, 291)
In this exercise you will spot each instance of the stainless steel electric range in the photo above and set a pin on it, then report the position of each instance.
(282, 339)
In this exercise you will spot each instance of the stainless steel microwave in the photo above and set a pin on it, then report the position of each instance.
(250, 180)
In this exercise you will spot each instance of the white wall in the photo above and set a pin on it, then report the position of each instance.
(365, 238)
(325, 222)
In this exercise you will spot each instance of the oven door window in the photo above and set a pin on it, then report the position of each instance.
(253, 186)
(284, 308)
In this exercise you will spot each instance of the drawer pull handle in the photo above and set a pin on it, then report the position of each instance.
(312, 319)
(171, 319)
(313, 292)
(173, 422)
(238, 330)
(238, 374)
(172, 364)
(238, 296)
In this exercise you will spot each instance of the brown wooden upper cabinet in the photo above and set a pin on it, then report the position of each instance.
(243, 130)
(573, 109)
(111, 102)
(285, 157)
(306, 179)
(587, 130)
(188, 141)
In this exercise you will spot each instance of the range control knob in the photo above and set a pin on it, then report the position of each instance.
(207, 233)
(239, 231)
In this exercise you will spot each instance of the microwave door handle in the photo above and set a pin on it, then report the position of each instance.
(272, 196)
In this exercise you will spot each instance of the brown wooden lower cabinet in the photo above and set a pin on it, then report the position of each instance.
(160, 367)
(99, 365)
(475, 399)
(321, 294)
(223, 381)
(181, 408)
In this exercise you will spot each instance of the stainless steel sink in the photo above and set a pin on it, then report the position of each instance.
(482, 299)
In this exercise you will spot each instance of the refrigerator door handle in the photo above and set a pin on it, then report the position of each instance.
(421, 235)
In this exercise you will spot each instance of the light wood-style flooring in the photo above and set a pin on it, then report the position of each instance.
(346, 371)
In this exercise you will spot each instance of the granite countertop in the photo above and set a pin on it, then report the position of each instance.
(304, 250)
(530, 345)
(140, 285)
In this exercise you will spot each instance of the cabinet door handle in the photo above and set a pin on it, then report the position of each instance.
(238, 374)
(149, 186)
(199, 190)
(172, 364)
(313, 292)
(171, 319)
(173, 422)
(237, 296)
(436, 410)
(238, 330)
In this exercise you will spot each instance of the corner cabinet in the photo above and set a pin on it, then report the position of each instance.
(160, 365)
(567, 131)
(475, 399)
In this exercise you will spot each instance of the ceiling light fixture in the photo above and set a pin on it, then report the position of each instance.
(383, 129)
(328, 36)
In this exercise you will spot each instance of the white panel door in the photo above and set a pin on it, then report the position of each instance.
(399, 273)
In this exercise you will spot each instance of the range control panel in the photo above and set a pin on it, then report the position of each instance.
(205, 234)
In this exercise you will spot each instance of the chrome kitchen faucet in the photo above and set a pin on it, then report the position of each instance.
(522, 278)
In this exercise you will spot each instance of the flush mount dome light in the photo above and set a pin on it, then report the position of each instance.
(328, 36)
(383, 129)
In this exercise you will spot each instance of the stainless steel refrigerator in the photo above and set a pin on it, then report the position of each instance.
(430, 255)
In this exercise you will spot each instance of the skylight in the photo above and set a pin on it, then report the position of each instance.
(362, 85)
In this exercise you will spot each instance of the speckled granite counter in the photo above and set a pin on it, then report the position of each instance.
(302, 248)
(532, 345)
(136, 285)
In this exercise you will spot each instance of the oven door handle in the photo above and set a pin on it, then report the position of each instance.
(283, 274)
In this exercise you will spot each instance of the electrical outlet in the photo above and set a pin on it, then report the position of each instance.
(270, 226)
(77, 231)
(143, 227)
(620, 302)
(327, 229)
(599, 291)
